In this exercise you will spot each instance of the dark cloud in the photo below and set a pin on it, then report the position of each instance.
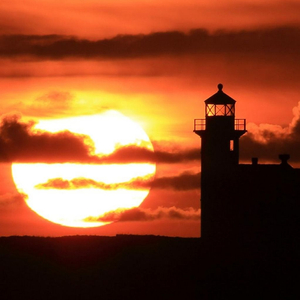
(131, 153)
(19, 142)
(268, 141)
(139, 214)
(182, 182)
(279, 41)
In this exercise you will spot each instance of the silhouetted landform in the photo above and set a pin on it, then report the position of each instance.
(250, 202)
(144, 267)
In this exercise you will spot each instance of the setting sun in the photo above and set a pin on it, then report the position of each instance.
(85, 205)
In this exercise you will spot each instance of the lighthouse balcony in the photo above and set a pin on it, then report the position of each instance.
(200, 124)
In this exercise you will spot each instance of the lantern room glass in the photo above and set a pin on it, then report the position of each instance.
(219, 110)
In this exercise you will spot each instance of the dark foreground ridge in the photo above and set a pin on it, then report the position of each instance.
(144, 267)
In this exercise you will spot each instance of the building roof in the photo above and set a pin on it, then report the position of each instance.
(220, 97)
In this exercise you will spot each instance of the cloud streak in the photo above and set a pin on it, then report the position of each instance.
(197, 41)
(182, 182)
(139, 214)
(81, 183)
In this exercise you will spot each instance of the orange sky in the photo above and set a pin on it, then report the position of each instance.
(156, 62)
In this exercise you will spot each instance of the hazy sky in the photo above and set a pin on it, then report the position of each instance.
(155, 62)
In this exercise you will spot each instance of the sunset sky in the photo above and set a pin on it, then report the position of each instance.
(154, 62)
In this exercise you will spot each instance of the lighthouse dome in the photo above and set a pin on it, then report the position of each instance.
(220, 97)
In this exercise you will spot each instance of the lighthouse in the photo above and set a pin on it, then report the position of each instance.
(220, 132)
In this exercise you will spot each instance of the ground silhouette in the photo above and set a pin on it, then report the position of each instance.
(144, 267)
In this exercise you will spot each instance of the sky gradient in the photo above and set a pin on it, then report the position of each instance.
(155, 62)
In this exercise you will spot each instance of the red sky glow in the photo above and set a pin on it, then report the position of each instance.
(155, 62)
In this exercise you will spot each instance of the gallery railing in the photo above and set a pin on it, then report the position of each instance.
(200, 124)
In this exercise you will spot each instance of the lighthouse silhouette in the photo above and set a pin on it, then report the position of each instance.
(241, 201)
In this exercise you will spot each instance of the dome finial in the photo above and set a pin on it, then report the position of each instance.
(220, 87)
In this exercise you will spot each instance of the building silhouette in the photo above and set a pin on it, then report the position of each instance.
(242, 201)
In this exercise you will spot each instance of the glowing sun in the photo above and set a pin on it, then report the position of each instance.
(84, 207)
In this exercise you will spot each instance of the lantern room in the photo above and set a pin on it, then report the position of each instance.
(220, 104)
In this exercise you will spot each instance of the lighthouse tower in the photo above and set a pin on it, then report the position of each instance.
(220, 133)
